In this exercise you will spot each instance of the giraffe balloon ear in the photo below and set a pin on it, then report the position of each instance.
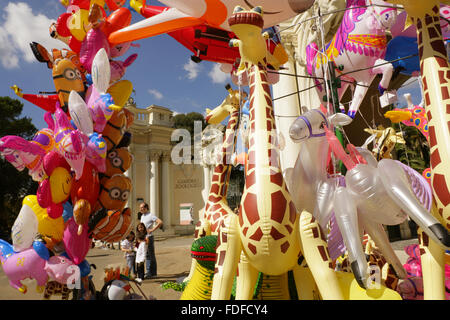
(258, 9)
(208, 111)
(238, 9)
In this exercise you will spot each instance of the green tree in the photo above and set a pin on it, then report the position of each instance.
(187, 121)
(416, 152)
(14, 185)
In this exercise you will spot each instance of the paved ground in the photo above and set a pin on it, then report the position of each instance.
(174, 261)
(172, 254)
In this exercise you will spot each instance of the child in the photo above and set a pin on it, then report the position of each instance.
(140, 255)
(127, 246)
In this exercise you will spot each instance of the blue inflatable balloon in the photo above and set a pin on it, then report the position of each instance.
(6, 249)
(85, 268)
(41, 249)
(67, 211)
(246, 108)
(400, 47)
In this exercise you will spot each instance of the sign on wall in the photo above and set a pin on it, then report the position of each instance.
(186, 213)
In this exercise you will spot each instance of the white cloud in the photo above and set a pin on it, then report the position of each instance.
(18, 28)
(155, 93)
(217, 75)
(193, 69)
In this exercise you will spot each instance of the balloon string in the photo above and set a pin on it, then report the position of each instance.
(377, 65)
(340, 10)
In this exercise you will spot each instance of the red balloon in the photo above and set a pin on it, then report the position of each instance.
(62, 26)
(207, 43)
(119, 19)
(87, 187)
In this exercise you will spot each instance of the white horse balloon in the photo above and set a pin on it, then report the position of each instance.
(376, 193)
(359, 46)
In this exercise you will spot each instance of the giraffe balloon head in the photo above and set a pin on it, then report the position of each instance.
(247, 25)
(228, 106)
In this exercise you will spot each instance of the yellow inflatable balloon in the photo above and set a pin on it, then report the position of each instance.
(47, 227)
(120, 92)
(352, 291)
(60, 184)
(78, 24)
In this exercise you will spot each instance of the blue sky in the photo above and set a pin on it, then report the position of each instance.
(161, 75)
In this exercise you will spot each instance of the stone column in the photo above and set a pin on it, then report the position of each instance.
(131, 173)
(148, 179)
(166, 190)
(154, 183)
(206, 182)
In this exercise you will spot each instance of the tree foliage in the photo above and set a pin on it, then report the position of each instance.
(416, 152)
(187, 121)
(14, 185)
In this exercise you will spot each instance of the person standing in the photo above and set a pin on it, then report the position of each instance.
(141, 256)
(151, 223)
(127, 246)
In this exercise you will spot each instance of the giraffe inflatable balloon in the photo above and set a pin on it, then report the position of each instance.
(434, 69)
(216, 213)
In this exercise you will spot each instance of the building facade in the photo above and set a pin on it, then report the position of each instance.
(156, 179)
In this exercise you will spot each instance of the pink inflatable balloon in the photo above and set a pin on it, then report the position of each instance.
(61, 269)
(118, 68)
(94, 41)
(23, 265)
(77, 246)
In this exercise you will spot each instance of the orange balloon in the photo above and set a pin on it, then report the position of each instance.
(117, 20)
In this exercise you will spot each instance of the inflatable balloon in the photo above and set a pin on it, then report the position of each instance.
(95, 40)
(84, 195)
(399, 48)
(118, 289)
(117, 162)
(121, 92)
(216, 14)
(115, 4)
(79, 113)
(54, 190)
(118, 68)
(359, 43)
(24, 229)
(110, 225)
(70, 143)
(61, 269)
(41, 249)
(57, 31)
(117, 20)
(114, 129)
(67, 211)
(6, 249)
(47, 227)
(23, 154)
(85, 268)
(67, 77)
(23, 265)
(99, 102)
(368, 185)
(77, 245)
(115, 192)
(42, 55)
(96, 151)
